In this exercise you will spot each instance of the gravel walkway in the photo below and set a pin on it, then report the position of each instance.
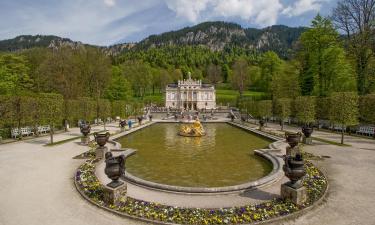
(350, 172)
(36, 185)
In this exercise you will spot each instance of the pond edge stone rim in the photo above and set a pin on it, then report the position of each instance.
(268, 154)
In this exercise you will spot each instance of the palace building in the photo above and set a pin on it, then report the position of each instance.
(190, 95)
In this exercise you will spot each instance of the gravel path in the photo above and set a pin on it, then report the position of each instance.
(351, 177)
(36, 184)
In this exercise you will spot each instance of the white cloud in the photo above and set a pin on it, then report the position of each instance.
(302, 6)
(110, 3)
(261, 12)
(189, 9)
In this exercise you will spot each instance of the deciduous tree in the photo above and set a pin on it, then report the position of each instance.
(51, 108)
(344, 110)
(356, 19)
(283, 109)
(241, 77)
(214, 74)
(271, 67)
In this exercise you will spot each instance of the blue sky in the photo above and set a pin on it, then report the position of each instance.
(104, 22)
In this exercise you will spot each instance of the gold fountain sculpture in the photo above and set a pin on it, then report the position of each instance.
(194, 129)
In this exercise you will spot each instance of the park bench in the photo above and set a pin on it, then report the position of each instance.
(14, 133)
(98, 121)
(366, 130)
(26, 131)
(43, 129)
(23, 131)
(338, 128)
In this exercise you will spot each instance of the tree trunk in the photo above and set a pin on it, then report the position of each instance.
(19, 130)
(51, 133)
(282, 125)
(342, 135)
(18, 109)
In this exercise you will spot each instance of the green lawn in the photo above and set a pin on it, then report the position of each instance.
(235, 93)
(225, 97)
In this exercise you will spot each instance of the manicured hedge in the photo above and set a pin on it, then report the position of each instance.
(283, 108)
(367, 108)
(304, 107)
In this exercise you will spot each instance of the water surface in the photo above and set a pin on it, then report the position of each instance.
(224, 157)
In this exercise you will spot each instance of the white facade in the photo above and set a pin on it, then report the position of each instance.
(190, 95)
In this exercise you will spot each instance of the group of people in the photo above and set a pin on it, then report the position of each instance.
(190, 117)
(129, 122)
(123, 123)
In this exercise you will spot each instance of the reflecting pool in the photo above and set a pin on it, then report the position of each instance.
(223, 157)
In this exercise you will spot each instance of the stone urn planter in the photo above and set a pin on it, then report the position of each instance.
(293, 139)
(294, 169)
(261, 122)
(101, 138)
(114, 169)
(85, 129)
(307, 131)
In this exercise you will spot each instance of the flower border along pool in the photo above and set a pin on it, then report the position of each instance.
(90, 188)
(315, 182)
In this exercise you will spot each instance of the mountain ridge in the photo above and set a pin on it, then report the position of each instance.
(215, 35)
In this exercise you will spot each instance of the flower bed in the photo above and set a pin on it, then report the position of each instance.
(87, 182)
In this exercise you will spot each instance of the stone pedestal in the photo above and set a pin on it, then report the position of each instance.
(122, 129)
(297, 196)
(307, 140)
(100, 152)
(291, 151)
(114, 196)
(85, 140)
